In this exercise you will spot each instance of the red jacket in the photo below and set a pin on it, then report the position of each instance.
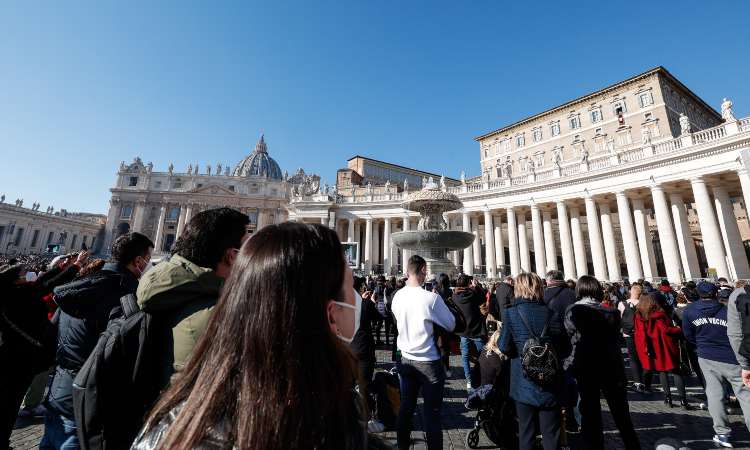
(664, 341)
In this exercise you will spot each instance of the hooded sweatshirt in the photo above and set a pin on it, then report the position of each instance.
(181, 296)
(705, 325)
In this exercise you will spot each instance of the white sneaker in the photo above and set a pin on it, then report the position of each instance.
(722, 440)
(374, 426)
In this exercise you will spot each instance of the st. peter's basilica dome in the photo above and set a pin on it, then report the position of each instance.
(258, 164)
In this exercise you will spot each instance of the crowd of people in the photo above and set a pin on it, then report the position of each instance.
(269, 342)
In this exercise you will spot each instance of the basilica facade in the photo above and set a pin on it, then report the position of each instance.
(159, 204)
(642, 179)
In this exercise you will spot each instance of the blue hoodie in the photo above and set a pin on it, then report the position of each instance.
(704, 324)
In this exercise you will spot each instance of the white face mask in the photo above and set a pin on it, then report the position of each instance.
(357, 307)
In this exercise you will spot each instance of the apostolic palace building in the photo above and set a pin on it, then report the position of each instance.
(641, 179)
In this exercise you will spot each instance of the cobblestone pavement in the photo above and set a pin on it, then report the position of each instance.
(652, 419)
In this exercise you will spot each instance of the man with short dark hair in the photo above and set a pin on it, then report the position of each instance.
(84, 309)
(182, 291)
(704, 324)
(417, 311)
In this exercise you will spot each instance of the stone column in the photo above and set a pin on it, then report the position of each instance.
(188, 213)
(111, 225)
(368, 246)
(468, 251)
(731, 234)
(332, 220)
(595, 239)
(375, 244)
(499, 244)
(538, 236)
(566, 244)
(550, 248)
(159, 238)
(669, 250)
(406, 254)
(523, 241)
(515, 258)
(610, 244)
(180, 222)
(260, 220)
(140, 216)
(629, 240)
(477, 244)
(489, 240)
(579, 247)
(645, 243)
(350, 230)
(685, 243)
(358, 240)
(744, 176)
(387, 246)
(713, 243)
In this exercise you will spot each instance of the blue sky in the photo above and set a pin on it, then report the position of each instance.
(84, 86)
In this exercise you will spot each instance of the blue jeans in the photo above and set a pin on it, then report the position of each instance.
(465, 342)
(428, 376)
(59, 433)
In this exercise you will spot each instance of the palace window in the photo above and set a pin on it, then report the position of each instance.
(624, 138)
(537, 134)
(575, 122)
(619, 107)
(133, 181)
(645, 99)
(555, 128)
(596, 115)
(126, 212)
(539, 159)
(73, 242)
(231, 188)
(174, 213)
(506, 145)
(520, 140)
(157, 184)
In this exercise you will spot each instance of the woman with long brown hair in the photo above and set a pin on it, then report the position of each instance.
(657, 344)
(273, 370)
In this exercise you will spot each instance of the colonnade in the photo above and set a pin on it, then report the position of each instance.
(603, 234)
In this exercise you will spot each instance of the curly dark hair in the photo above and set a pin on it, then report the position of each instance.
(209, 234)
(130, 246)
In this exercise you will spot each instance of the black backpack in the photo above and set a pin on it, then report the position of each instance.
(538, 358)
(628, 318)
(118, 383)
(743, 308)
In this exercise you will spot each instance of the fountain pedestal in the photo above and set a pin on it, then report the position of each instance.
(432, 240)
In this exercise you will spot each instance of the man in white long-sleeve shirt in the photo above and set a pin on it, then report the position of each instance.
(417, 311)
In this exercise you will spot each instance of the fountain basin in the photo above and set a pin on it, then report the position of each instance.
(432, 239)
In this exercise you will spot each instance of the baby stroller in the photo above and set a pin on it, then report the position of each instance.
(496, 416)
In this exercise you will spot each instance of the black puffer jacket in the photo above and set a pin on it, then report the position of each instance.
(84, 309)
(468, 301)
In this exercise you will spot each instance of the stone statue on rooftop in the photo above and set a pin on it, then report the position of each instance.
(684, 124)
(208, 169)
(190, 169)
(218, 168)
(463, 177)
(226, 170)
(170, 169)
(645, 135)
(150, 167)
(2, 198)
(726, 111)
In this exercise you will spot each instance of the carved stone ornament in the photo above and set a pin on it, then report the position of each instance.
(303, 184)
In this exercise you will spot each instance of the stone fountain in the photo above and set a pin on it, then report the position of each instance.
(432, 239)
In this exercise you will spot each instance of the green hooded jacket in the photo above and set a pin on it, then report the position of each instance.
(181, 296)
